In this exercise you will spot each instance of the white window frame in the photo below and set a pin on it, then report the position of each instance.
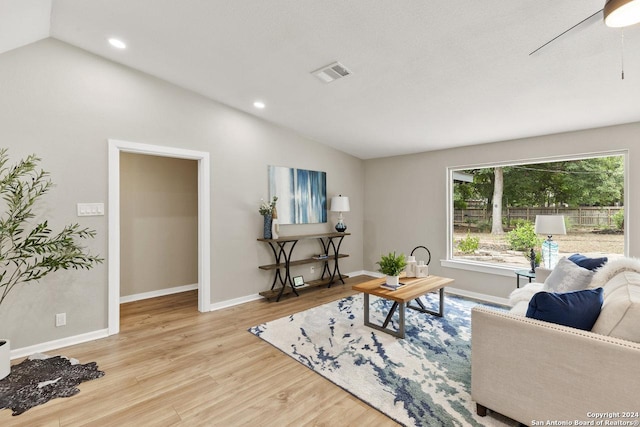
(489, 268)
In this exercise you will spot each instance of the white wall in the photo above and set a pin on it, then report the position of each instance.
(64, 104)
(158, 223)
(406, 196)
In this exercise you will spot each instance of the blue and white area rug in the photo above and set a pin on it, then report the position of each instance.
(422, 380)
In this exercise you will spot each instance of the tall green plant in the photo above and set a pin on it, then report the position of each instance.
(28, 252)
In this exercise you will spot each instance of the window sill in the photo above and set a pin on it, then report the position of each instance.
(479, 267)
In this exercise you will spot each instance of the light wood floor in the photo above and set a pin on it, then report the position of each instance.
(173, 366)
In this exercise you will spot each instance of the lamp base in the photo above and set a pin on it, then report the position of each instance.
(341, 227)
(550, 253)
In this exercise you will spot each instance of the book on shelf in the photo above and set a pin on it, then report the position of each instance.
(321, 256)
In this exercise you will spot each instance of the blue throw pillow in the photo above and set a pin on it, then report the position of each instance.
(588, 263)
(578, 309)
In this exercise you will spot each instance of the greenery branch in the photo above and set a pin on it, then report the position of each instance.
(267, 208)
(30, 252)
(392, 264)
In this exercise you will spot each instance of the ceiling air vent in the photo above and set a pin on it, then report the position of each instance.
(331, 72)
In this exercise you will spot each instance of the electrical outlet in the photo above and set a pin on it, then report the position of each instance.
(312, 269)
(61, 319)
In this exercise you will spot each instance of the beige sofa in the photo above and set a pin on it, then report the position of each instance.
(531, 370)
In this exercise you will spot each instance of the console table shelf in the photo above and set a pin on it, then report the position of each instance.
(283, 261)
(300, 262)
(309, 285)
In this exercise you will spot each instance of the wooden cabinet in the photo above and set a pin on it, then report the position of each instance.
(282, 249)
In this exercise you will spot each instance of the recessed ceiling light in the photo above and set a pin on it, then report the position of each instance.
(259, 104)
(119, 44)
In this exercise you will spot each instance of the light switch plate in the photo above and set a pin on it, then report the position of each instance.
(61, 319)
(90, 209)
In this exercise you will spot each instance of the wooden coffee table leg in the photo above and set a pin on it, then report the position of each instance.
(421, 308)
(401, 321)
(403, 310)
(420, 303)
(366, 309)
(384, 328)
(391, 311)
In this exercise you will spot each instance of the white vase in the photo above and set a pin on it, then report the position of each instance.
(410, 270)
(422, 270)
(393, 280)
(5, 358)
(275, 228)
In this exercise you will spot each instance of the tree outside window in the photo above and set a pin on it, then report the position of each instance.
(499, 204)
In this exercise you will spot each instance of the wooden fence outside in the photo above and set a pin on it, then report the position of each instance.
(580, 217)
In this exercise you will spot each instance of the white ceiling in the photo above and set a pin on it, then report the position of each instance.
(426, 74)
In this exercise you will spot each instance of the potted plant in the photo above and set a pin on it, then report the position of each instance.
(30, 251)
(392, 265)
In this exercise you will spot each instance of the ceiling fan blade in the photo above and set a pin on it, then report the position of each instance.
(566, 31)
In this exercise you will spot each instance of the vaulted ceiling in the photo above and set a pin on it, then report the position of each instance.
(426, 75)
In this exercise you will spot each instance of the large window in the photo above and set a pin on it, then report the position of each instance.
(493, 209)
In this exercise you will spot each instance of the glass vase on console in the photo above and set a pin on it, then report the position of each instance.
(267, 226)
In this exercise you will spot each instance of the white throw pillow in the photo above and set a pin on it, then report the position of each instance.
(524, 294)
(567, 276)
(620, 315)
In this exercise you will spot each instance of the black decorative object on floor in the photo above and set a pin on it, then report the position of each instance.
(36, 381)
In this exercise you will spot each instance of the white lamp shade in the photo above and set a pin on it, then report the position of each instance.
(621, 13)
(550, 225)
(340, 204)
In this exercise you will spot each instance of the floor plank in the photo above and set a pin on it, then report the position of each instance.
(173, 366)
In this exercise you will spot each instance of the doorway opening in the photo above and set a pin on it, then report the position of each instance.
(116, 147)
(158, 226)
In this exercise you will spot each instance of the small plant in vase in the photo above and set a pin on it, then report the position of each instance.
(392, 265)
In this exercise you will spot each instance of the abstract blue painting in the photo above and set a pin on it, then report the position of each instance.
(302, 195)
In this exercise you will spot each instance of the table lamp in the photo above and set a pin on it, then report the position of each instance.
(550, 225)
(340, 204)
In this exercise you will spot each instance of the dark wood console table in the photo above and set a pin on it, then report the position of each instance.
(282, 256)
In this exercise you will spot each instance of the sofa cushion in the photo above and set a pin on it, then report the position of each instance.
(588, 263)
(567, 277)
(520, 308)
(620, 315)
(578, 309)
(612, 268)
(524, 294)
(542, 274)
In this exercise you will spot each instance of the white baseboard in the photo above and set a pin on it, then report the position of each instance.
(363, 273)
(158, 293)
(56, 344)
(232, 302)
(477, 296)
(249, 298)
